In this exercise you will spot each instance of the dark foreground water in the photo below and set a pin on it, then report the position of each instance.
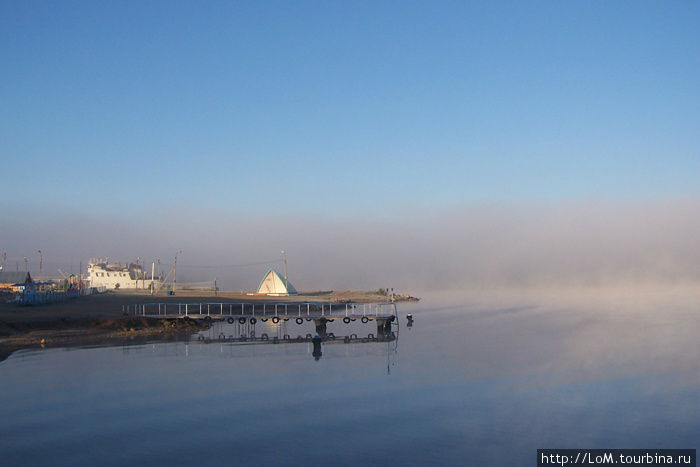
(467, 385)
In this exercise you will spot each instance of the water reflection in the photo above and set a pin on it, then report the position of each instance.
(265, 332)
(317, 348)
(475, 385)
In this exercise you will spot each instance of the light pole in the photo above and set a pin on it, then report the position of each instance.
(41, 265)
(173, 285)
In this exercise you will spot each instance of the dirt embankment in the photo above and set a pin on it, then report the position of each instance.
(67, 332)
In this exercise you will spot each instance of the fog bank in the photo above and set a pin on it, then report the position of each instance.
(567, 243)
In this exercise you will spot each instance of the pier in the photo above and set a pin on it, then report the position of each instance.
(382, 313)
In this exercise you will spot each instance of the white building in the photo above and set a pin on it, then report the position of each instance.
(117, 276)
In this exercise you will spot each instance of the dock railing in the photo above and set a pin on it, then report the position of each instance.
(221, 310)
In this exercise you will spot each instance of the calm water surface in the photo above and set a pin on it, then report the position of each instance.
(465, 385)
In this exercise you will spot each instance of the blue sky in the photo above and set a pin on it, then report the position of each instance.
(345, 108)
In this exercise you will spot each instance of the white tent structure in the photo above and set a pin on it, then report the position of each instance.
(273, 284)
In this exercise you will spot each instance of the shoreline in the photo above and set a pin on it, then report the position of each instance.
(95, 331)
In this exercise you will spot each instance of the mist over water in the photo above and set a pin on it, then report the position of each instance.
(564, 243)
(574, 243)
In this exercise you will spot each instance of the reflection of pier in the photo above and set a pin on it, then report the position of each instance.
(224, 333)
(235, 323)
(321, 313)
(264, 338)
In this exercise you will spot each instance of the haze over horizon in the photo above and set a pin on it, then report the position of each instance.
(402, 144)
(568, 243)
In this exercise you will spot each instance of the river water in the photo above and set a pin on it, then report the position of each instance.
(470, 383)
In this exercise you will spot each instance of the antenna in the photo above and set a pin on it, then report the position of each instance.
(284, 255)
(172, 285)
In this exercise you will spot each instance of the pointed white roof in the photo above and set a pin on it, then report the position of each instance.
(273, 284)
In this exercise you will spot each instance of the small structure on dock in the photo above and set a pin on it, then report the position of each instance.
(272, 284)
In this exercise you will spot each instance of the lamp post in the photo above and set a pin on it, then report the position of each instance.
(41, 265)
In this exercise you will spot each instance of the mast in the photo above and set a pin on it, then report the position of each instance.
(172, 285)
(284, 255)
